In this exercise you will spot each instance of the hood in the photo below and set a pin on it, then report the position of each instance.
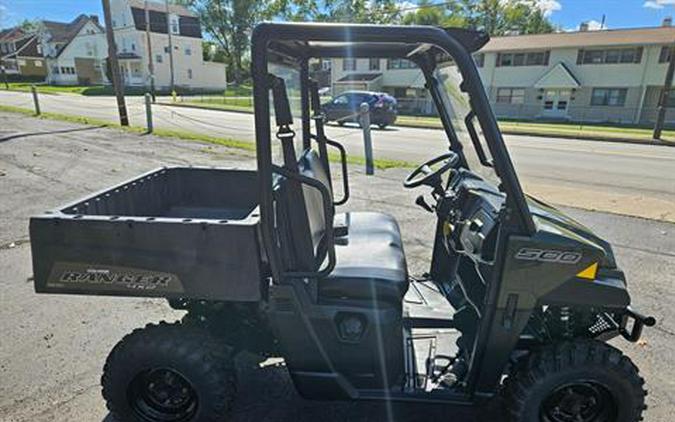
(547, 215)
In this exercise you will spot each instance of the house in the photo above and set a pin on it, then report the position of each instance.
(75, 52)
(174, 51)
(21, 54)
(612, 76)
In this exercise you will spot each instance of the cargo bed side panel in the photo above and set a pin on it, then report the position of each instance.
(94, 255)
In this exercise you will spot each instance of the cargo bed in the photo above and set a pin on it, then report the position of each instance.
(179, 232)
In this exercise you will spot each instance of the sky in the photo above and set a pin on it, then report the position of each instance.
(567, 14)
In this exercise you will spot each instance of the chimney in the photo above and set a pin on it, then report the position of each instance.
(583, 27)
(667, 21)
(94, 18)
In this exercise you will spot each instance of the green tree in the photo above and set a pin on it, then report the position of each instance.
(502, 17)
(356, 11)
(229, 23)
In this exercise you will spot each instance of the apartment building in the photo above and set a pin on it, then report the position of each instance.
(21, 53)
(596, 76)
(184, 48)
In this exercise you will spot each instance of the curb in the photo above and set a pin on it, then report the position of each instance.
(504, 131)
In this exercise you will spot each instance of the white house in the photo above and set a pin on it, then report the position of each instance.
(599, 76)
(75, 52)
(189, 69)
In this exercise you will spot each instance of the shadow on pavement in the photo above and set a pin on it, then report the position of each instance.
(53, 132)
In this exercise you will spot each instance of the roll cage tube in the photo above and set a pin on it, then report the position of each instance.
(303, 41)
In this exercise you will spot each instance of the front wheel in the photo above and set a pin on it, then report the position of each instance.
(582, 381)
(169, 373)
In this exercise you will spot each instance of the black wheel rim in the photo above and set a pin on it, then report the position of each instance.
(162, 395)
(579, 402)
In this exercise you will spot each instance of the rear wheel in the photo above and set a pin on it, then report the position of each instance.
(169, 373)
(583, 381)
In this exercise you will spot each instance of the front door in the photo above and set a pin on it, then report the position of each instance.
(556, 102)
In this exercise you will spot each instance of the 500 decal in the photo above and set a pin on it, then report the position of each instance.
(543, 255)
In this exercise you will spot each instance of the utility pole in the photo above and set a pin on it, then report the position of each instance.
(168, 31)
(665, 95)
(151, 65)
(115, 67)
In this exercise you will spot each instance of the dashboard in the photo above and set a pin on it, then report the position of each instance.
(471, 207)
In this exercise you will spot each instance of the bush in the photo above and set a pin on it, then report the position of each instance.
(25, 78)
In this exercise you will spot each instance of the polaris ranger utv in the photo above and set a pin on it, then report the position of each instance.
(519, 300)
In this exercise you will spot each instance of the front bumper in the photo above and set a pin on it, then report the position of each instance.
(632, 324)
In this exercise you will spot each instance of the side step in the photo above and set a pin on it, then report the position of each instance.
(425, 306)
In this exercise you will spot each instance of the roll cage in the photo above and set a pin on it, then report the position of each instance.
(294, 44)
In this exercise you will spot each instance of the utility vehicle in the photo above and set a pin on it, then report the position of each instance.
(519, 301)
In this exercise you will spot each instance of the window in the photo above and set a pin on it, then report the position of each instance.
(38, 63)
(612, 97)
(133, 47)
(664, 57)
(159, 58)
(671, 98)
(511, 95)
(167, 50)
(342, 99)
(188, 51)
(55, 70)
(348, 64)
(22, 62)
(479, 59)
(173, 23)
(400, 64)
(189, 73)
(374, 64)
(39, 49)
(612, 56)
(535, 58)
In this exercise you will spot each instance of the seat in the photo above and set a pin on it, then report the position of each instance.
(370, 261)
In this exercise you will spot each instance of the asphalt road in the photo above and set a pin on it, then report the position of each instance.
(620, 178)
(52, 348)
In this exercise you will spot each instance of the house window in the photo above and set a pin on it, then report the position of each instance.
(374, 64)
(167, 50)
(671, 98)
(22, 62)
(400, 64)
(159, 58)
(173, 23)
(511, 95)
(611, 97)
(534, 58)
(133, 47)
(189, 73)
(611, 56)
(664, 57)
(479, 59)
(348, 64)
(188, 51)
(37, 63)
(39, 49)
(55, 70)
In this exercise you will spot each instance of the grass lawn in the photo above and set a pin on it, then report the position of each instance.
(586, 130)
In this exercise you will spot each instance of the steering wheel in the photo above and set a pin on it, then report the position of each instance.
(430, 172)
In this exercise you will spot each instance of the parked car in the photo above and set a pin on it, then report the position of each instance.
(345, 107)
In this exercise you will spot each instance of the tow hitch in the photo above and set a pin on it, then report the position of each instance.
(639, 322)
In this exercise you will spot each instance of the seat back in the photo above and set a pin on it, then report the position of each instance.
(300, 216)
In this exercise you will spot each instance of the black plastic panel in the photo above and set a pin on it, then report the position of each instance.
(175, 232)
